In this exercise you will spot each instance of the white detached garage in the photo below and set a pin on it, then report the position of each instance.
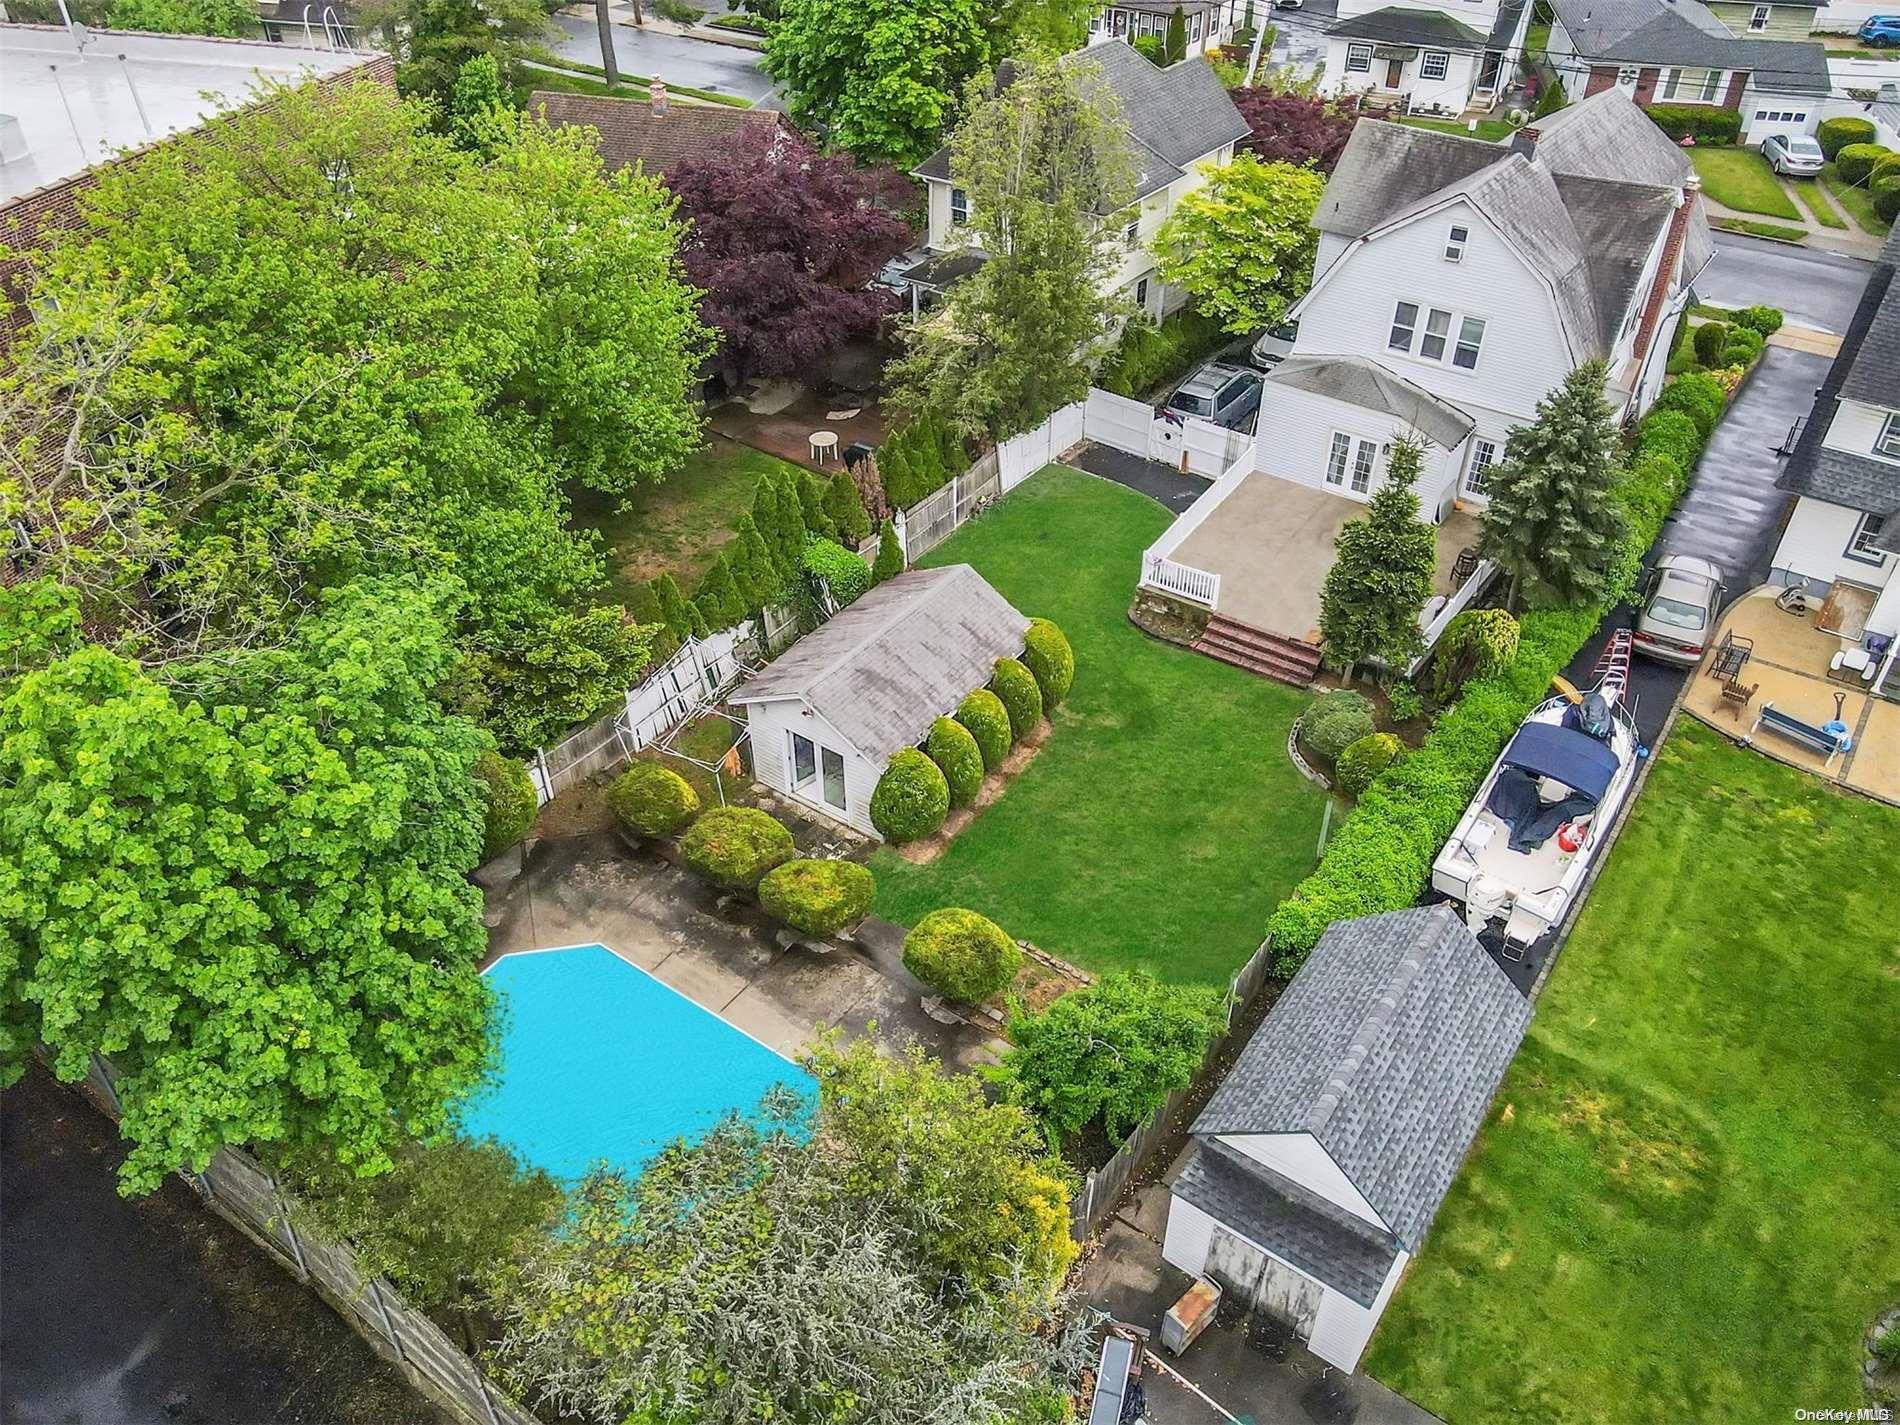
(1320, 1162)
(827, 715)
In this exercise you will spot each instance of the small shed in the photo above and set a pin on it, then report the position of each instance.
(827, 715)
(1320, 1161)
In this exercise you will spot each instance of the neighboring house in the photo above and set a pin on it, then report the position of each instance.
(1682, 52)
(1180, 124)
(1210, 23)
(1842, 540)
(1457, 282)
(313, 24)
(654, 133)
(76, 103)
(1429, 56)
(1782, 20)
(1321, 1159)
(827, 715)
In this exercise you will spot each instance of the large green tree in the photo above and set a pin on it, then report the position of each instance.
(1042, 160)
(231, 19)
(246, 884)
(1242, 245)
(1553, 522)
(322, 340)
(432, 39)
(1382, 571)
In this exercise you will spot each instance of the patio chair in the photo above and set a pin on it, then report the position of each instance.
(1464, 566)
(1731, 656)
(1737, 696)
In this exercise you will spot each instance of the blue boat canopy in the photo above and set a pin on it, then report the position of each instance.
(1574, 758)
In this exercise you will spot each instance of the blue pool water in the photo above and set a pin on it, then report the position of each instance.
(600, 1061)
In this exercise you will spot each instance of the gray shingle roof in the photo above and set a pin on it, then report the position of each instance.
(1347, 1253)
(1396, 25)
(1174, 116)
(903, 655)
(1662, 32)
(1359, 381)
(1504, 28)
(1385, 167)
(1386, 1048)
(1874, 374)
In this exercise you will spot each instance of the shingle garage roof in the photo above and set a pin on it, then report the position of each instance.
(902, 656)
(1386, 1048)
(1368, 385)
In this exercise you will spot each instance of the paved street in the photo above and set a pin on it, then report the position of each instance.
(155, 1311)
(678, 59)
(1813, 289)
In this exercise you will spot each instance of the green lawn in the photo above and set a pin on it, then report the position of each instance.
(1162, 821)
(568, 76)
(1490, 130)
(1686, 1202)
(1814, 198)
(1741, 179)
(1857, 202)
(674, 528)
(1780, 231)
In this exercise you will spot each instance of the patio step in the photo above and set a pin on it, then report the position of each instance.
(1271, 655)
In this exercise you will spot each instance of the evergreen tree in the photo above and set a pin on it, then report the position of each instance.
(790, 543)
(812, 491)
(675, 612)
(1382, 572)
(1553, 522)
(718, 596)
(763, 583)
(1174, 47)
(890, 555)
(765, 517)
(846, 508)
(643, 603)
(696, 622)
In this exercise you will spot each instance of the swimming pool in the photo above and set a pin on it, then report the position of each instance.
(600, 1061)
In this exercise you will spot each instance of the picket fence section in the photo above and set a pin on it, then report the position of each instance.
(1104, 1186)
(238, 1187)
(936, 517)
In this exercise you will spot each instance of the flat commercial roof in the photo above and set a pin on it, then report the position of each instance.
(80, 102)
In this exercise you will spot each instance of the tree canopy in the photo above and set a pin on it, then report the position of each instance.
(320, 340)
(231, 19)
(782, 241)
(247, 884)
(1291, 127)
(1242, 246)
(1041, 161)
(1382, 571)
(431, 40)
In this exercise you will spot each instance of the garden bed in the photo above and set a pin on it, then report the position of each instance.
(923, 852)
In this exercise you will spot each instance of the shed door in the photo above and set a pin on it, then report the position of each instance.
(1271, 1286)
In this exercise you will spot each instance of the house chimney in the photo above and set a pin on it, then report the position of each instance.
(1524, 141)
(1666, 270)
(656, 95)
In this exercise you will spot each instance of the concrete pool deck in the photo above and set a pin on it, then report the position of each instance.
(584, 890)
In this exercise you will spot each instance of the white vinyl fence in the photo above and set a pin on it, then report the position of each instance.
(1190, 445)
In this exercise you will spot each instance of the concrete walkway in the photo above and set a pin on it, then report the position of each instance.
(1850, 241)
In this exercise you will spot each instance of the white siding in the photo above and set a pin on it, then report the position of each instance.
(1299, 1157)
(1350, 313)
(1855, 427)
(1765, 112)
(1296, 436)
(1814, 547)
(1185, 1242)
(1331, 245)
(771, 725)
(1560, 53)
(1448, 95)
(1343, 1326)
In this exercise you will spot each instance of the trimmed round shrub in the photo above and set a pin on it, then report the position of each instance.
(818, 897)
(1334, 722)
(508, 801)
(1671, 433)
(911, 799)
(1366, 759)
(957, 756)
(651, 800)
(1856, 161)
(844, 574)
(986, 719)
(961, 955)
(1833, 135)
(1766, 320)
(1887, 198)
(1699, 395)
(736, 846)
(1709, 339)
(1047, 655)
(1022, 699)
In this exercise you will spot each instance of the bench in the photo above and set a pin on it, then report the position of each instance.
(1806, 733)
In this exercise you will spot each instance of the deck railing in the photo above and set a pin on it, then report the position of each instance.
(1182, 580)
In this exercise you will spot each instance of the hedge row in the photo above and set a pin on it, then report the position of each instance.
(1380, 858)
(919, 458)
(1702, 122)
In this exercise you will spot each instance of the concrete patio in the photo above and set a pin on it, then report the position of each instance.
(1789, 668)
(1271, 542)
(591, 889)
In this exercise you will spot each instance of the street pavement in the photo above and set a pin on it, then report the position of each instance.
(678, 59)
(1813, 289)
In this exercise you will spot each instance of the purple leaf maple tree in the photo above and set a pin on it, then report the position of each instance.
(1295, 128)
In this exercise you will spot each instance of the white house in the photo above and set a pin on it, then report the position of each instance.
(827, 715)
(1210, 23)
(1428, 56)
(1456, 283)
(1842, 540)
(1321, 1159)
(1180, 124)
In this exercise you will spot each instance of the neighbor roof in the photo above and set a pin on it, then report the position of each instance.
(1408, 27)
(630, 132)
(886, 667)
(1175, 116)
(1361, 382)
(1660, 32)
(1386, 1048)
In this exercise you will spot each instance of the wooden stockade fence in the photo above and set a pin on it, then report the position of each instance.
(1104, 1186)
(239, 1189)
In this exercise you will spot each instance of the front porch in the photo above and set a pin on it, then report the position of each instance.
(1789, 664)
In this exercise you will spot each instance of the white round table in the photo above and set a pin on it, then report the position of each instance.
(823, 443)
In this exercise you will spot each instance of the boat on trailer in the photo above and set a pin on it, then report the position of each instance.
(1519, 854)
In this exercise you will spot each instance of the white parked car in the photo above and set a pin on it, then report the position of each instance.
(1275, 345)
(1685, 594)
(1795, 156)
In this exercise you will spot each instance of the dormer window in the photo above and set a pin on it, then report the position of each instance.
(1889, 442)
(959, 207)
(1455, 243)
(1758, 19)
